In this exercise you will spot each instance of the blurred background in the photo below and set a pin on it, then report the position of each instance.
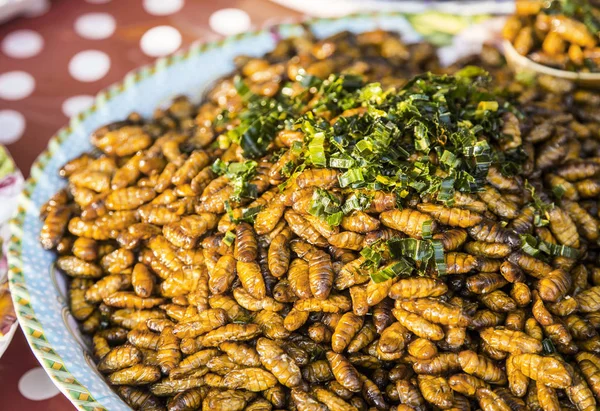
(56, 55)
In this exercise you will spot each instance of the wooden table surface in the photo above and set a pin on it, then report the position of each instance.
(52, 63)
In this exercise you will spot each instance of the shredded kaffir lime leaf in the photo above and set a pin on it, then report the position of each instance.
(540, 206)
(430, 137)
(433, 136)
(544, 250)
(239, 175)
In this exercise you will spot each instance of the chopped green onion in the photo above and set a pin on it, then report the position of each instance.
(316, 150)
(344, 163)
(392, 270)
(412, 248)
(350, 177)
(558, 250)
(426, 229)
(229, 238)
(438, 256)
(529, 245)
(548, 346)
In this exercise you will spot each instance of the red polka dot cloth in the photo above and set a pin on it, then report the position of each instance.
(53, 60)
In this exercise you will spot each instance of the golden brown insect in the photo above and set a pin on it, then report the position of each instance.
(444, 363)
(545, 370)
(279, 253)
(489, 400)
(303, 229)
(80, 308)
(511, 272)
(305, 402)
(392, 338)
(317, 371)
(563, 227)
(359, 222)
(418, 325)
(409, 395)
(204, 322)
(190, 399)
(347, 239)
(420, 287)
(485, 283)
(278, 362)
(246, 246)
(320, 274)
(510, 341)
(54, 226)
(530, 265)
(407, 221)
(481, 367)
(331, 400)
(376, 292)
(422, 349)
(491, 250)
(139, 399)
(230, 332)
(223, 275)
(589, 300)
(580, 394)
(498, 301)
(436, 390)
(186, 232)
(119, 358)
(364, 337)
(252, 304)
(460, 263)
(318, 177)
(452, 239)
(137, 374)
(436, 311)
(192, 363)
(75, 267)
(466, 384)
(586, 224)
(350, 274)
(554, 286)
(591, 372)
(454, 217)
(251, 278)
(347, 327)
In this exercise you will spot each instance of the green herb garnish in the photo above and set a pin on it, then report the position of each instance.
(239, 175)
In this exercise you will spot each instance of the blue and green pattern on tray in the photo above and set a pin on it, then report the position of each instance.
(38, 295)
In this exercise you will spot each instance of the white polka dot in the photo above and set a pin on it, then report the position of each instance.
(12, 126)
(89, 65)
(162, 7)
(76, 104)
(229, 21)
(160, 41)
(37, 8)
(95, 26)
(22, 44)
(16, 85)
(35, 385)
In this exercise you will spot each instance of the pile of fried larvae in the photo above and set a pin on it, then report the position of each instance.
(562, 34)
(190, 307)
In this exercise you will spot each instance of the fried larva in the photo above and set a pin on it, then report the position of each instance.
(276, 247)
(278, 362)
